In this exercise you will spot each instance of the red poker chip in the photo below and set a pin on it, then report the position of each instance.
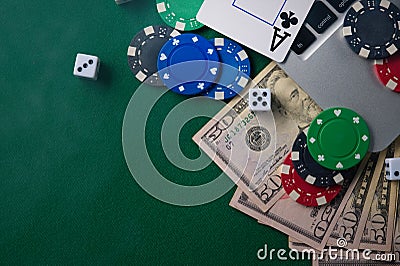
(388, 72)
(303, 192)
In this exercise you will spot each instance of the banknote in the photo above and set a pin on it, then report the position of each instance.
(383, 221)
(310, 225)
(343, 257)
(348, 222)
(250, 146)
(396, 231)
(349, 262)
(239, 199)
(337, 256)
(378, 230)
(299, 246)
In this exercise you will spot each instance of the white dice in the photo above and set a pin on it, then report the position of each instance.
(87, 66)
(392, 169)
(260, 99)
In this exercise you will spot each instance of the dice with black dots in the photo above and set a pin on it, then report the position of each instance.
(260, 99)
(87, 66)
(392, 169)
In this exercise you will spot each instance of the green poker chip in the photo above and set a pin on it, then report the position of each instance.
(179, 14)
(338, 138)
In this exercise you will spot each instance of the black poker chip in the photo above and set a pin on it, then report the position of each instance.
(372, 28)
(143, 52)
(309, 170)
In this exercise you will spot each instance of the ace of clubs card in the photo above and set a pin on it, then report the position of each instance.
(266, 26)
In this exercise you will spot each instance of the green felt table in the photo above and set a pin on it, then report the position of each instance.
(66, 193)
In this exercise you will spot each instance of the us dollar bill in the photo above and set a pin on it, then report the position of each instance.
(297, 245)
(351, 262)
(249, 147)
(310, 225)
(396, 231)
(378, 231)
(348, 222)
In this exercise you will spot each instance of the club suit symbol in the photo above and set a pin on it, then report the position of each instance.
(288, 19)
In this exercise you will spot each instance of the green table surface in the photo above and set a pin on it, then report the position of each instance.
(66, 193)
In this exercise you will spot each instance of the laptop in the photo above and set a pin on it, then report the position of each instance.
(322, 63)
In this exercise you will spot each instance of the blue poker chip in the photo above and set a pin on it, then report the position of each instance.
(235, 70)
(188, 64)
(372, 28)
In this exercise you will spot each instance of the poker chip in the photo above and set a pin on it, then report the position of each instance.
(338, 138)
(235, 70)
(308, 169)
(143, 51)
(180, 14)
(302, 192)
(371, 28)
(188, 64)
(388, 72)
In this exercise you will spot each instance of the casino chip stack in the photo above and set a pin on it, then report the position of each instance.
(188, 64)
(310, 170)
(322, 156)
(388, 72)
(180, 14)
(372, 28)
(143, 51)
(338, 138)
(235, 70)
(303, 192)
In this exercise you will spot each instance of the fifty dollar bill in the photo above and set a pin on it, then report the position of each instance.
(249, 147)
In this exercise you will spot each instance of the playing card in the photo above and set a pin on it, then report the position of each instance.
(266, 26)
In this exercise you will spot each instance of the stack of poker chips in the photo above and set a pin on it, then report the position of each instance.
(372, 30)
(324, 156)
(188, 64)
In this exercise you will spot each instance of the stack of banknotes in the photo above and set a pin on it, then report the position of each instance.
(250, 148)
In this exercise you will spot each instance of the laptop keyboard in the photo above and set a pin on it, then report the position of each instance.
(303, 40)
(341, 5)
(321, 17)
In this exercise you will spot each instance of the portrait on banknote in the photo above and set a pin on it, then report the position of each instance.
(289, 99)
